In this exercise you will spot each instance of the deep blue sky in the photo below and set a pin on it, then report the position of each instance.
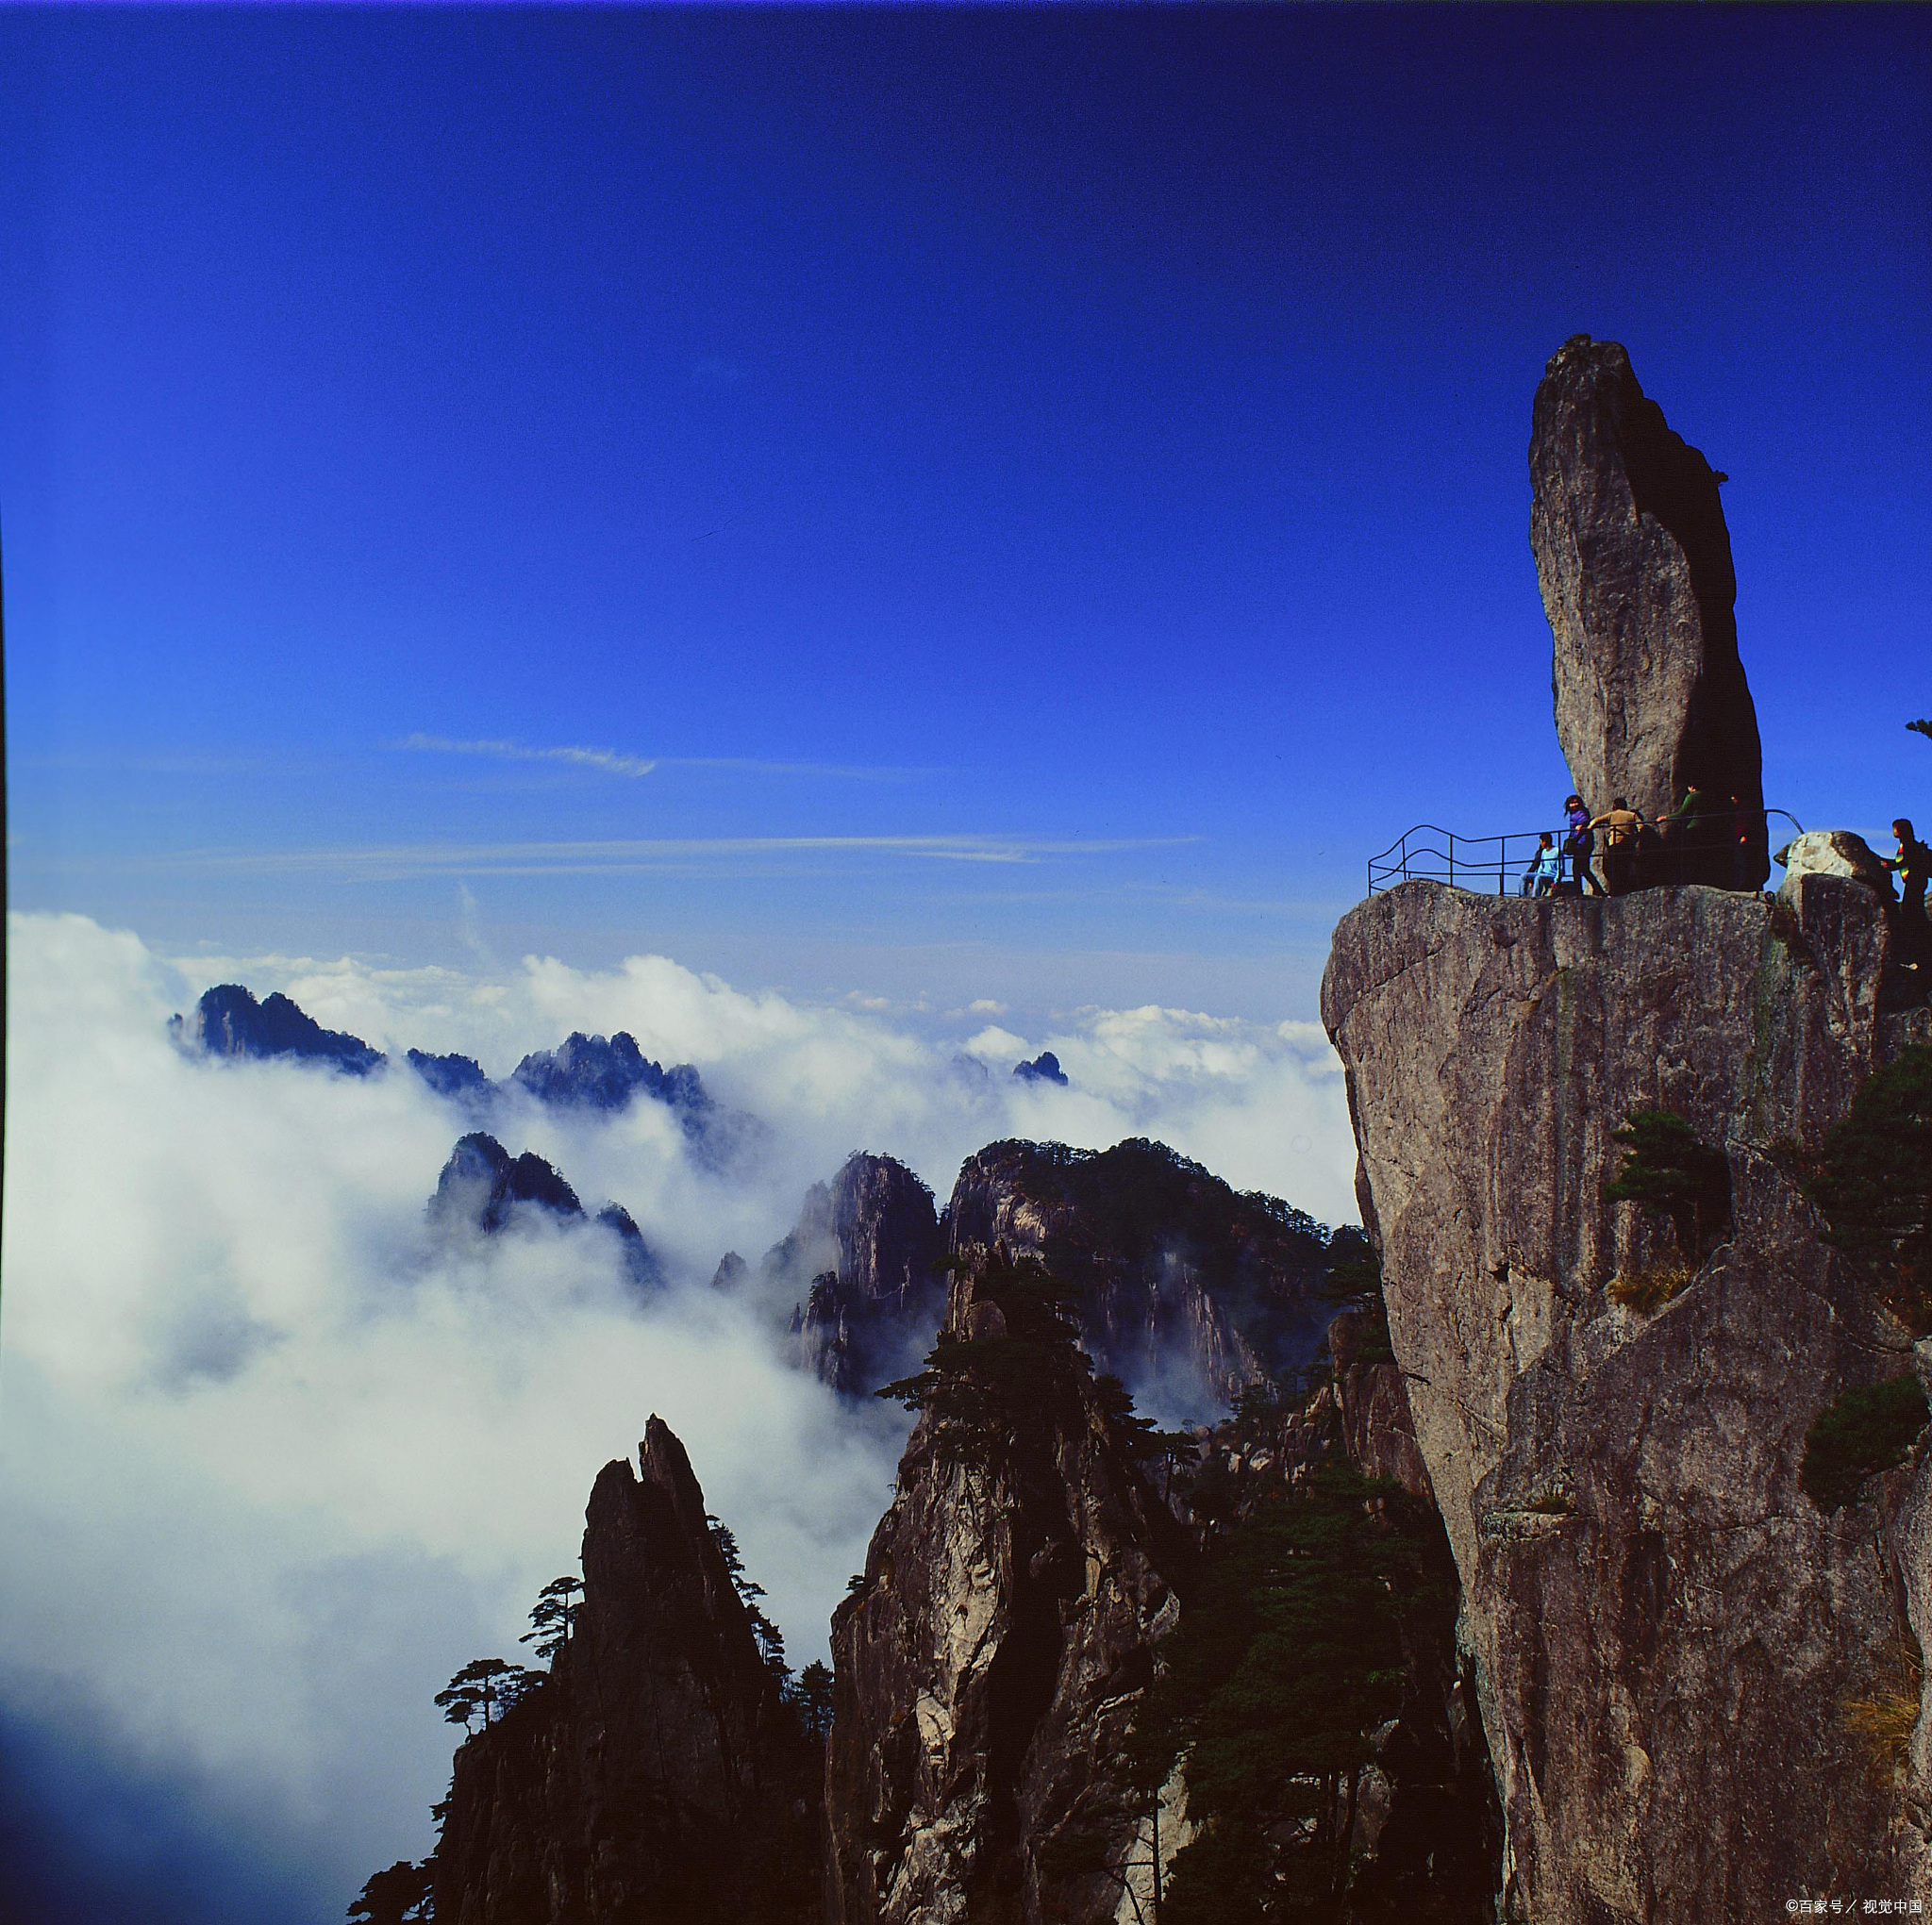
(1041, 429)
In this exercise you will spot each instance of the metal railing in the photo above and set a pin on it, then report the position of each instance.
(1503, 865)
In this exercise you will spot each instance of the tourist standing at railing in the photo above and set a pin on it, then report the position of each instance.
(1545, 866)
(1621, 825)
(1577, 845)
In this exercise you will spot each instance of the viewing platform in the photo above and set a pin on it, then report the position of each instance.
(1691, 849)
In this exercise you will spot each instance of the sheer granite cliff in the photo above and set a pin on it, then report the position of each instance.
(991, 1656)
(871, 1245)
(1666, 1631)
(655, 1778)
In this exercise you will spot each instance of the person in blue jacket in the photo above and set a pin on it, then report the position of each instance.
(1544, 869)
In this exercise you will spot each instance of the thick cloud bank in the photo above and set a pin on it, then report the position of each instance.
(278, 1455)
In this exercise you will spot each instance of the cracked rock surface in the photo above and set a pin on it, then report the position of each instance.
(1666, 1630)
(989, 1666)
(1633, 560)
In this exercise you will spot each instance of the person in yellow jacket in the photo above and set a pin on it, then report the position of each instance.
(1621, 825)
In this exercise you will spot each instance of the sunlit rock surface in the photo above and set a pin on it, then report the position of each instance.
(989, 1666)
(1635, 563)
(1666, 1631)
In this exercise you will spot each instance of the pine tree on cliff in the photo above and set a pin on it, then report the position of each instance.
(771, 1639)
(812, 1695)
(485, 1688)
(1284, 1666)
(396, 1897)
(553, 1614)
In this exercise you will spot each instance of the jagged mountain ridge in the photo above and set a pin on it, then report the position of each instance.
(584, 1072)
(1184, 1287)
(229, 1021)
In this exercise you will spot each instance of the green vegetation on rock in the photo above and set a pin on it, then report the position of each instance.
(1288, 1659)
(1860, 1434)
(1667, 1171)
(1873, 1184)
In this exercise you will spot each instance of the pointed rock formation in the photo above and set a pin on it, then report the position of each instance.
(871, 1245)
(595, 1073)
(482, 1187)
(1667, 1630)
(656, 1777)
(482, 1184)
(989, 1663)
(1184, 1289)
(1635, 563)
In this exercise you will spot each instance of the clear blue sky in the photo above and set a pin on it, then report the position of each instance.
(1091, 437)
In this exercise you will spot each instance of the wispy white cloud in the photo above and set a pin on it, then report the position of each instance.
(611, 763)
(618, 857)
(607, 760)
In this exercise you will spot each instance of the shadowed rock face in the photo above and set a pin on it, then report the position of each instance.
(482, 1187)
(1633, 560)
(656, 1778)
(989, 1667)
(871, 1245)
(482, 1184)
(1666, 1629)
(1185, 1290)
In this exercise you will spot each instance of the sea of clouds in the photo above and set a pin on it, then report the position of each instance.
(277, 1458)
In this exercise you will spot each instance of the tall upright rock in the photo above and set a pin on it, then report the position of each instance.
(1667, 1630)
(871, 1246)
(1633, 560)
(656, 1777)
(991, 1658)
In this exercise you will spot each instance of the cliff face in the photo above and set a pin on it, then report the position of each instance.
(1633, 560)
(1666, 1630)
(871, 1244)
(656, 1778)
(990, 1664)
(1183, 1289)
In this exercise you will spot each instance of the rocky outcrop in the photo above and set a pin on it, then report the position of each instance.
(989, 1663)
(1666, 1631)
(460, 1078)
(606, 1074)
(1184, 1289)
(1833, 851)
(482, 1187)
(1635, 563)
(656, 1778)
(482, 1184)
(870, 1243)
(229, 1021)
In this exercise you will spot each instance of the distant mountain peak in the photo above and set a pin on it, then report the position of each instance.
(229, 1021)
(1044, 1068)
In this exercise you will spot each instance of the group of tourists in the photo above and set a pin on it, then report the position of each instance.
(1700, 840)
(1705, 838)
